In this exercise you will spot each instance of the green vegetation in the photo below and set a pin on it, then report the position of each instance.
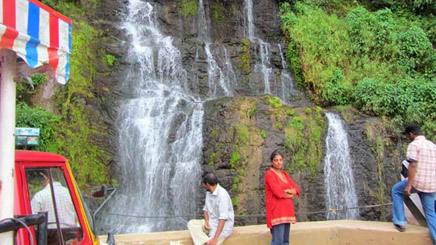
(234, 160)
(188, 8)
(308, 110)
(217, 12)
(377, 56)
(294, 140)
(38, 79)
(214, 133)
(235, 201)
(68, 130)
(274, 101)
(211, 159)
(279, 125)
(24, 88)
(246, 107)
(245, 56)
(290, 112)
(236, 181)
(71, 7)
(109, 60)
(251, 112)
(374, 132)
(37, 117)
(347, 112)
(244, 138)
(243, 134)
(303, 128)
(88, 162)
(304, 140)
(263, 134)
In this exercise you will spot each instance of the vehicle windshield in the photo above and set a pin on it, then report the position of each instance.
(87, 212)
(49, 193)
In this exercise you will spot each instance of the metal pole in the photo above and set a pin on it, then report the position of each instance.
(7, 138)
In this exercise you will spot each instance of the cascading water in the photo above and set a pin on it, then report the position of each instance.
(215, 73)
(230, 76)
(249, 21)
(160, 134)
(339, 180)
(263, 63)
(286, 80)
(160, 122)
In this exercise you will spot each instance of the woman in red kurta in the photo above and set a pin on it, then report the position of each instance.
(279, 190)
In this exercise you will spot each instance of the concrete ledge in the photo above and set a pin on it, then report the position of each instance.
(314, 233)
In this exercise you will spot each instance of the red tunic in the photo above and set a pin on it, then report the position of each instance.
(279, 210)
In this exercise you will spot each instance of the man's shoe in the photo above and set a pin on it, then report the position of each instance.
(400, 228)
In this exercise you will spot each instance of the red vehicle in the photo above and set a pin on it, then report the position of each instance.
(44, 183)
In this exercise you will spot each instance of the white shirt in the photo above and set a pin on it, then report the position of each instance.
(43, 202)
(219, 206)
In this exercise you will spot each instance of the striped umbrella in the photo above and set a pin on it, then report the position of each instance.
(38, 34)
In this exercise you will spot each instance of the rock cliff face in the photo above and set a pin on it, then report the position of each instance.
(240, 134)
(241, 130)
(226, 29)
(377, 154)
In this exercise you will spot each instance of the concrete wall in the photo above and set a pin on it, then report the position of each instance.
(343, 232)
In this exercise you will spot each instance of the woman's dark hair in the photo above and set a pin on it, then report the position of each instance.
(274, 154)
(210, 178)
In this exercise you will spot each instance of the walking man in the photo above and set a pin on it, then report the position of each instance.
(421, 155)
(218, 214)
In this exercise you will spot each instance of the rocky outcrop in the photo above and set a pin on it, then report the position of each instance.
(377, 154)
(107, 18)
(226, 26)
(239, 135)
(241, 132)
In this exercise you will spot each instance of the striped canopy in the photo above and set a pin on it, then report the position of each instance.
(38, 34)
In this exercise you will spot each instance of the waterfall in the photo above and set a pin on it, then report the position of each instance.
(215, 73)
(249, 21)
(286, 80)
(230, 76)
(160, 121)
(160, 134)
(263, 63)
(339, 180)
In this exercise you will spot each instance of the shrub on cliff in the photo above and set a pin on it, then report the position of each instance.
(380, 62)
(70, 131)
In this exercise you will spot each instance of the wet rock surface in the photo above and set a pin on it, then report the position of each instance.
(244, 179)
(373, 177)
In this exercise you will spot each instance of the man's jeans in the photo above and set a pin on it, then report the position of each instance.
(428, 204)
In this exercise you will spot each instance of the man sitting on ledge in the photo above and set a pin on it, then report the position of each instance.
(218, 214)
